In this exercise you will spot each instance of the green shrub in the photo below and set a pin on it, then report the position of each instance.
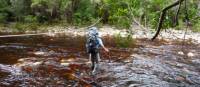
(196, 27)
(32, 26)
(119, 14)
(22, 27)
(181, 25)
(3, 17)
(85, 13)
(124, 41)
(30, 19)
(19, 27)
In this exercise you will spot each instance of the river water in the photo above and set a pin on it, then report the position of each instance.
(61, 61)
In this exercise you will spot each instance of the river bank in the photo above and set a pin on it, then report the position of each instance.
(136, 31)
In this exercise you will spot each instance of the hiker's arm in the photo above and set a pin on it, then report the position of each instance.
(106, 49)
(102, 45)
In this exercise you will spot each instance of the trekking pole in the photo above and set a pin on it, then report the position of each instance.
(109, 57)
(107, 54)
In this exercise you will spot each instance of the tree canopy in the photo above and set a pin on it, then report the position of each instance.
(80, 12)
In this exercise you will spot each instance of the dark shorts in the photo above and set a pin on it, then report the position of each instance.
(94, 57)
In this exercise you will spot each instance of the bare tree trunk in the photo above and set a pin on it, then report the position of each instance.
(71, 9)
(162, 17)
(145, 19)
(176, 17)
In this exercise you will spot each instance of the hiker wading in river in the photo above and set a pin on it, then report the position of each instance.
(93, 44)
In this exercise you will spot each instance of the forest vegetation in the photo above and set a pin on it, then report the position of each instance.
(29, 14)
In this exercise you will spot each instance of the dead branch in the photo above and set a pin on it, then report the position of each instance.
(176, 17)
(162, 17)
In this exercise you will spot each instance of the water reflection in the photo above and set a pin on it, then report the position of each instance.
(41, 58)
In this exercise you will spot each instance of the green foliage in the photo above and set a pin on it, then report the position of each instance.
(119, 13)
(124, 41)
(3, 17)
(4, 9)
(150, 9)
(22, 27)
(30, 19)
(196, 27)
(32, 26)
(19, 27)
(20, 8)
(85, 13)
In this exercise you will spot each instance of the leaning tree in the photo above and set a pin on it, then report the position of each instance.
(163, 14)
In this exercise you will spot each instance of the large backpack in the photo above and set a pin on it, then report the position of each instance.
(92, 44)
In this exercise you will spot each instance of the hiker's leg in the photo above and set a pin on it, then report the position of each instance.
(90, 60)
(96, 62)
(98, 57)
(93, 64)
(93, 61)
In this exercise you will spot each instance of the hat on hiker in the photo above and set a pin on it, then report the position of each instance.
(93, 31)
